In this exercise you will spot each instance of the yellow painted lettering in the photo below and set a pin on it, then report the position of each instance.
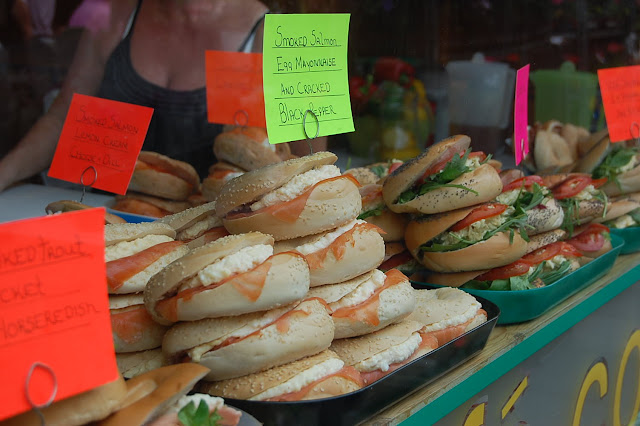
(632, 343)
(597, 373)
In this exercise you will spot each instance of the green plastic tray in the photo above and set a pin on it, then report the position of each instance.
(525, 305)
(631, 238)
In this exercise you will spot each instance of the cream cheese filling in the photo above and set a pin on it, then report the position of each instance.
(467, 315)
(622, 222)
(129, 248)
(476, 231)
(302, 379)
(361, 293)
(296, 186)
(327, 239)
(236, 263)
(398, 353)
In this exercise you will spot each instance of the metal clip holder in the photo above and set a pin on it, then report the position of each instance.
(54, 391)
(304, 128)
(86, 185)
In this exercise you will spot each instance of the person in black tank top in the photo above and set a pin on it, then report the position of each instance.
(103, 67)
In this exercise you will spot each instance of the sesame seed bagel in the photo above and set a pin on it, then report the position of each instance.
(158, 175)
(249, 148)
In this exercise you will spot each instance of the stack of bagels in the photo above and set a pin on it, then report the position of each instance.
(134, 253)
(160, 186)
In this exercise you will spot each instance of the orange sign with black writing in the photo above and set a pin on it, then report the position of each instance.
(54, 309)
(100, 143)
(620, 89)
(234, 88)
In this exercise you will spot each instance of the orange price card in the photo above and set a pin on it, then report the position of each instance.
(100, 143)
(620, 89)
(234, 88)
(54, 309)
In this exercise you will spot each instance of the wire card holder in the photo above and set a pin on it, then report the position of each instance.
(304, 128)
(635, 135)
(87, 185)
(37, 407)
(238, 122)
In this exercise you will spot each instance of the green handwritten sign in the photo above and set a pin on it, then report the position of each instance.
(305, 69)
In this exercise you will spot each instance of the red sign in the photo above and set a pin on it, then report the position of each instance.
(620, 89)
(100, 142)
(234, 88)
(54, 309)
(521, 131)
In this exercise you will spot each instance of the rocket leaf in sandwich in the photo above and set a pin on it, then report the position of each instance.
(532, 198)
(526, 281)
(516, 221)
(189, 415)
(378, 170)
(369, 213)
(453, 169)
(611, 166)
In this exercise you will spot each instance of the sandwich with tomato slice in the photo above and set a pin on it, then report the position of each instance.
(232, 275)
(539, 268)
(367, 303)
(295, 198)
(592, 240)
(396, 256)
(219, 174)
(318, 376)
(244, 344)
(134, 252)
(378, 354)
(447, 176)
(249, 148)
(618, 163)
(382, 170)
(447, 313)
(340, 254)
(197, 225)
(579, 196)
(530, 194)
(375, 211)
(469, 239)
(622, 213)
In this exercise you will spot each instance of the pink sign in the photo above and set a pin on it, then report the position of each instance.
(520, 115)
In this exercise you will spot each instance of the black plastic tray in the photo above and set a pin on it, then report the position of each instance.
(358, 406)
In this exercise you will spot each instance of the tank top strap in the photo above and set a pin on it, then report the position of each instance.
(247, 44)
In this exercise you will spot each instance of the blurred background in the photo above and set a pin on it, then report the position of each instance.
(419, 69)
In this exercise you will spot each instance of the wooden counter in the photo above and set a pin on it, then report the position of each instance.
(507, 347)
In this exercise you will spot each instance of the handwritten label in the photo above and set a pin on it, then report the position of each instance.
(520, 114)
(305, 68)
(620, 89)
(103, 134)
(234, 88)
(54, 308)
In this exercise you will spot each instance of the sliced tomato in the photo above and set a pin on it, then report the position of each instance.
(394, 166)
(597, 183)
(485, 211)
(440, 165)
(571, 187)
(550, 251)
(526, 181)
(591, 239)
(481, 155)
(519, 267)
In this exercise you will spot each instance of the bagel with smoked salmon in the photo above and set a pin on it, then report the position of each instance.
(469, 239)
(447, 313)
(232, 275)
(134, 252)
(64, 206)
(340, 254)
(380, 353)
(160, 176)
(367, 303)
(240, 345)
(249, 148)
(147, 205)
(132, 327)
(376, 212)
(197, 225)
(318, 376)
(219, 174)
(447, 176)
(295, 198)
